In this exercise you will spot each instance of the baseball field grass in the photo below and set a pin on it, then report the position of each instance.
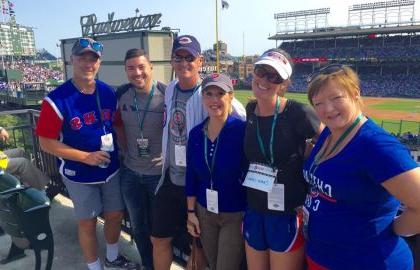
(397, 115)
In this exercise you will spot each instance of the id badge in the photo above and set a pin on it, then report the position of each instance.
(260, 177)
(212, 201)
(180, 155)
(143, 147)
(107, 143)
(276, 198)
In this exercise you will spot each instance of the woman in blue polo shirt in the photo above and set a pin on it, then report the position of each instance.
(358, 174)
(216, 166)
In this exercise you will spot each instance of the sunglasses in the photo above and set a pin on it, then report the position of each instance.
(188, 58)
(272, 77)
(85, 43)
(327, 70)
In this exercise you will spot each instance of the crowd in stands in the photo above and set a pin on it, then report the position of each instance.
(32, 73)
(399, 76)
(397, 85)
(35, 72)
(379, 48)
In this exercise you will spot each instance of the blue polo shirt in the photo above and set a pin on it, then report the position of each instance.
(350, 212)
(230, 165)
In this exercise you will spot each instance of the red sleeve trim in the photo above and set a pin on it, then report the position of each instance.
(49, 122)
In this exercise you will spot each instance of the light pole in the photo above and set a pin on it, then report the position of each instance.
(2, 55)
(58, 55)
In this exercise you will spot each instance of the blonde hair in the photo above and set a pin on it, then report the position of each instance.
(345, 77)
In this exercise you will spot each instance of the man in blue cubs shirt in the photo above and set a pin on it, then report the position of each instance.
(76, 126)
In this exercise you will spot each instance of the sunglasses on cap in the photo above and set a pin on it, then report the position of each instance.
(85, 43)
(272, 77)
(327, 70)
(188, 58)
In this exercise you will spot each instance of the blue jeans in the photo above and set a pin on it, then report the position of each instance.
(138, 193)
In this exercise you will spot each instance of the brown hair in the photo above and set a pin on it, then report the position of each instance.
(344, 77)
(132, 53)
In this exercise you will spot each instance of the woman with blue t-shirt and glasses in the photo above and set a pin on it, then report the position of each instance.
(358, 173)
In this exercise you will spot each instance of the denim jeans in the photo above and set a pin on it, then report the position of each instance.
(138, 193)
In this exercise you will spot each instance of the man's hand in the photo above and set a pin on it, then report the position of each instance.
(97, 158)
(4, 135)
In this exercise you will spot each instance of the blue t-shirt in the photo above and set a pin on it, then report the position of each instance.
(350, 213)
(83, 124)
(230, 166)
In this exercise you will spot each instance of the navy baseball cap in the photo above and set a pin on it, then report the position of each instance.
(220, 80)
(188, 43)
(87, 44)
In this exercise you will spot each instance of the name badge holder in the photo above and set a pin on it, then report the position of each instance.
(143, 147)
(180, 155)
(275, 197)
(212, 200)
(260, 177)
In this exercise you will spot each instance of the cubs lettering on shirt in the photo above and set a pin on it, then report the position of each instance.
(350, 213)
(76, 120)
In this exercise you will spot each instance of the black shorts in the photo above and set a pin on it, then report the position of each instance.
(169, 211)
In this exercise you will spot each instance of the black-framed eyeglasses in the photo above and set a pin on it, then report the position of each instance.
(272, 77)
(189, 58)
(85, 43)
(329, 69)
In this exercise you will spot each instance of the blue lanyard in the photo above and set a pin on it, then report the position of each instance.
(270, 159)
(213, 159)
(141, 122)
(346, 133)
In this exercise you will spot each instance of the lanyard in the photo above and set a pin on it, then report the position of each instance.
(270, 160)
(141, 122)
(346, 133)
(98, 103)
(213, 159)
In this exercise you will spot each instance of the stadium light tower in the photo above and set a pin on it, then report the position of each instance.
(396, 12)
(301, 21)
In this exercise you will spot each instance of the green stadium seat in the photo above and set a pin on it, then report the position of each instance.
(24, 213)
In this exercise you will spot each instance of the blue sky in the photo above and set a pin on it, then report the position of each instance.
(58, 19)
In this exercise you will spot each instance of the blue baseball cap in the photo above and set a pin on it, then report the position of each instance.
(188, 43)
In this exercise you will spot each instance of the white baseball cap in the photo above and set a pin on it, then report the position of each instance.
(277, 61)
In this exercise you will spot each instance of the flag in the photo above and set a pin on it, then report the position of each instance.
(4, 8)
(225, 4)
(11, 10)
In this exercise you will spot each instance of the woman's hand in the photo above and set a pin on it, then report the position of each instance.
(193, 225)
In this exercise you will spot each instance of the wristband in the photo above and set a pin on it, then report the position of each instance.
(191, 210)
